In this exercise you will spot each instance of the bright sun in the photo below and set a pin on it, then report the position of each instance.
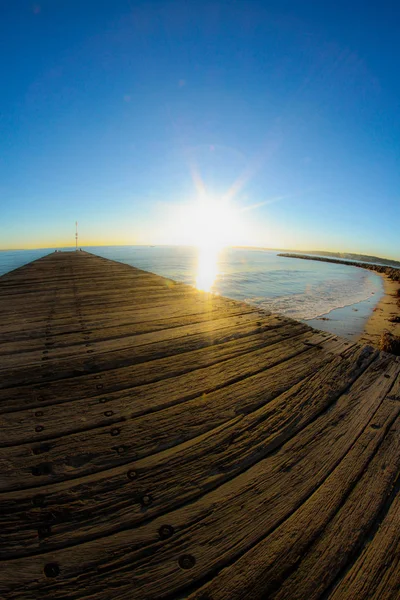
(213, 223)
(210, 223)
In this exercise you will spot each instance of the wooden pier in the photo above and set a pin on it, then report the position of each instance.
(163, 443)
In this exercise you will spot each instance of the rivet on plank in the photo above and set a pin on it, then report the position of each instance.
(108, 413)
(166, 531)
(99, 386)
(187, 561)
(115, 431)
(39, 413)
(51, 570)
(146, 500)
(132, 474)
(120, 449)
(39, 428)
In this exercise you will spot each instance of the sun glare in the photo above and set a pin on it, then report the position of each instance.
(210, 223)
(214, 225)
(207, 268)
(213, 222)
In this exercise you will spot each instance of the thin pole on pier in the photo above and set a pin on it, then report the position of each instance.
(76, 236)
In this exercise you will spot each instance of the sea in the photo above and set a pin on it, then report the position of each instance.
(331, 297)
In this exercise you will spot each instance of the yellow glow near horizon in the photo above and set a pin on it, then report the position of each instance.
(213, 224)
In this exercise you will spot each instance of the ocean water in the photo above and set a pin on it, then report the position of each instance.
(332, 297)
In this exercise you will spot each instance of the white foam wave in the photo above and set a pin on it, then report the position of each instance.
(319, 299)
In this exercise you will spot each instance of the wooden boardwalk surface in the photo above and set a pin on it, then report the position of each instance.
(163, 443)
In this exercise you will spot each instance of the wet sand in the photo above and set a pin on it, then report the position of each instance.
(386, 309)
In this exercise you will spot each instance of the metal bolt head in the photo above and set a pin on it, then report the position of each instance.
(186, 561)
(166, 531)
(132, 475)
(146, 500)
(115, 431)
(39, 428)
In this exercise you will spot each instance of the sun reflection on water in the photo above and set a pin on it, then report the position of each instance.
(207, 268)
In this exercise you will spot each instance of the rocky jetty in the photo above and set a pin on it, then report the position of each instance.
(391, 272)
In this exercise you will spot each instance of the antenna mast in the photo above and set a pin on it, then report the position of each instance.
(76, 236)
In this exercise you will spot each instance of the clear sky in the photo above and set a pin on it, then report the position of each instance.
(120, 114)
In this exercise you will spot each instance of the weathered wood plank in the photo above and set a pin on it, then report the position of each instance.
(12, 361)
(206, 528)
(158, 439)
(76, 395)
(375, 573)
(207, 334)
(209, 460)
(198, 406)
(144, 321)
(87, 386)
(262, 571)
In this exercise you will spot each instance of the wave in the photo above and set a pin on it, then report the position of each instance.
(319, 299)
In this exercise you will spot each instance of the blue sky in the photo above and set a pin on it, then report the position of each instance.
(111, 111)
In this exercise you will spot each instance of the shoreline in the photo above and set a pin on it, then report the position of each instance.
(386, 308)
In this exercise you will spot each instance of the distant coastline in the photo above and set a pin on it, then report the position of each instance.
(391, 271)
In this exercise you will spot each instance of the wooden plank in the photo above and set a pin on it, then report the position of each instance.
(229, 449)
(89, 451)
(206, 529)
(12, 361)
(127, 378)
(376, 571)
(348, 530)
(87, 386)
(143, 321)
(376, 574)
(135, 316)
(158, 439)
(264, 570)
(207, 334)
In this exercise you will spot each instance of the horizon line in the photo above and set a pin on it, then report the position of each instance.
(194, 246)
